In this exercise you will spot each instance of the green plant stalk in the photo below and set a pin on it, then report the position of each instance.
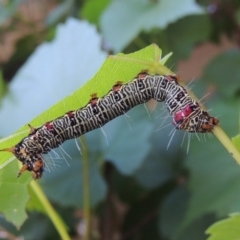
(227, 143)
(52, 214)
(86, 190)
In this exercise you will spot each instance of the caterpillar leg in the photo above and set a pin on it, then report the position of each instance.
(209, 126)
(23, 169)
(38, 168)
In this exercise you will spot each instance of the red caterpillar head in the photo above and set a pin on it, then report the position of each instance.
(193, 119)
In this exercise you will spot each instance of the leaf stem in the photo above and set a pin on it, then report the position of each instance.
(52, 214)
(86, 189)
(227, 143)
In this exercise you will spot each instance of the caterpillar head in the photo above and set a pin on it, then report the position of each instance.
(193, 119)
(31, 162)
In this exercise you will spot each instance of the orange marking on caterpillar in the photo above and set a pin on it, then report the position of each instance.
(142, 74)
(117, 86)
(32, 129)
(173, 78)
(93, 100)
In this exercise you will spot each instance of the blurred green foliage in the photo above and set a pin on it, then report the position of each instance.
(163, 194)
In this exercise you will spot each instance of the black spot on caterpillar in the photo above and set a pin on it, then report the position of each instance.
(186, 112)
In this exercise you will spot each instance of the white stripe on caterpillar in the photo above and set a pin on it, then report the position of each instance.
(187, 115)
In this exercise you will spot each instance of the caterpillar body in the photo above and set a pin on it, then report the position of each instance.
(186, 112)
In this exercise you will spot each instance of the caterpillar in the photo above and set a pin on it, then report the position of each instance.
(186, 112)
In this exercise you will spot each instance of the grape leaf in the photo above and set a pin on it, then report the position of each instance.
(13, 194)
(56, 182)
(92, 10)
(110, 72)
(119, 29)
(228, 61)
(59, 12)
(225, 229)
(53, 71)
(214, 176)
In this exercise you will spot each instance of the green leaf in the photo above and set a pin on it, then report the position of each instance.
(56, 180)
(34, 204)
(125, 139)
(54, 69)
(13, 194)
(110, 72)
(196, 229)
(227, 229)
(214, 175)
(139, 15)
(167, 224)
(93, 9)
(181, 37)
(157, 167)
(100, 83)
(171, 215)
(223, 71)
(52, 57)
(2, 86)
(61, 11)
